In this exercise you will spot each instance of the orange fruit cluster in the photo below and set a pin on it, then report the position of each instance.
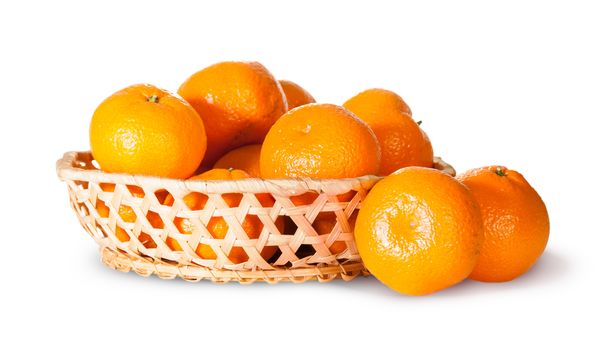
(418, 231)
(217, 226)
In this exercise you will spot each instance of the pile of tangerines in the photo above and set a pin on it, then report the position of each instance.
(419, 230)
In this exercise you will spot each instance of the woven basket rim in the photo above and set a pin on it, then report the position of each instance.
(66, 169)
(307, 251)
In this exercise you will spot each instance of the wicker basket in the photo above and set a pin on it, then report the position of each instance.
(302, 253)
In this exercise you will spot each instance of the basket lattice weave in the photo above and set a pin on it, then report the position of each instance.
(302, 253)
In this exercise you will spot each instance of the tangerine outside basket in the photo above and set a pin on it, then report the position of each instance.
(302, 254)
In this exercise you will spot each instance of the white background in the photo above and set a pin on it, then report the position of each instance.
(516, 83)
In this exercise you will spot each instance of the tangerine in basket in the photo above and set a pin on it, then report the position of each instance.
(295, 95)
(319, 141)
(516, 223)
(245, 158)
(419, 230)
(146, 130)
(325, 223)
(128, 214)
(218, 226)
(403, 143)
(238, 101)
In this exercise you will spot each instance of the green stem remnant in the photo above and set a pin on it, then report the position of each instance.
(419, 122)
(153, 99)
(499, 171)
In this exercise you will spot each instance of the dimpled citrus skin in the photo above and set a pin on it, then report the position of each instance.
(131, 132)
(402, 142)
(238, 101)
(295, 95)
(319, 141)
(244, 158)
(419, 230)
(378, 100)
(516, 223)
(217, 226)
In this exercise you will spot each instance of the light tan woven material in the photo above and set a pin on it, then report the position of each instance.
(302, 253)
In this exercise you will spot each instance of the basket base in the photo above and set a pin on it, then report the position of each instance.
(121, 261)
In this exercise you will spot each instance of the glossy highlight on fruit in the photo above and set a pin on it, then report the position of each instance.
(238, 101)
(419, 230)
(375, 101)
(403, 143)
(319, 141)
(146, 130)
(516, 223)
(245, 158)
(295, 95)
